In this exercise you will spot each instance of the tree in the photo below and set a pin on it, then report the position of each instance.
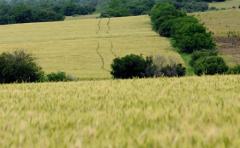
(19, 67)
(193, 36)
(163, 12)
(129, 66)
(210, 65)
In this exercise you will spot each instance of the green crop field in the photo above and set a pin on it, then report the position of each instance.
(85, 47)
(165, 112)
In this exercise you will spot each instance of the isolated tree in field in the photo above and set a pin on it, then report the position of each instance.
(19, 67)
(128, 67)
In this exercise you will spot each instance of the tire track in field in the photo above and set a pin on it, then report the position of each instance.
(108, 25)
(101, 57)
(98, 47)
(99, 26)
(111, 43)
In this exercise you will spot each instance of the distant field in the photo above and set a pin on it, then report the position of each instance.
(227, 4)
(165, 112)
(85, 47)
(221, 23)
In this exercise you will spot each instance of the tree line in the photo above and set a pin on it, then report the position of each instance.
(118, 8)
(191, 37)
(19, 11)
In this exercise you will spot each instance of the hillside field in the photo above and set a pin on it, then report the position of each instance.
(85, 48)
(165, 112)
(226, 5)
(222, 22)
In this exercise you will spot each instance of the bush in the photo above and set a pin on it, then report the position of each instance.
(163, 12)
(19, 67)
(210, 65)
(59, 76)
(129, 66)
(175, 70)
(234, 70)
(201, 54)
(168, 28)
(193, 36)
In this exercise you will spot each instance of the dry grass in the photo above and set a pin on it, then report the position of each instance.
(221, 23)
(72, 45)
(166, 112)
(226, 5)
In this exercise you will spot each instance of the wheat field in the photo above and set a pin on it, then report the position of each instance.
(228, 4)
(220, 22)
(165, 112)
(85, 48)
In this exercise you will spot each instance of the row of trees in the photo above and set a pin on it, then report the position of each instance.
(189, 36)
(118, 8)
(41, 11)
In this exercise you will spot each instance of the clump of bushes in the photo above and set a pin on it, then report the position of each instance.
(19, 67)
(132, 66)
(174, 70)
(209, 63)
(234, 70)
(188, 34)
(59, 76)
(163, 12)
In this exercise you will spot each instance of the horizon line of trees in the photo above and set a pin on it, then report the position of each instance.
(14, 11)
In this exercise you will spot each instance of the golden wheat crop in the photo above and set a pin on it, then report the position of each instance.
(226, 4)
(85, 47)
(221, 22)
(165, 112)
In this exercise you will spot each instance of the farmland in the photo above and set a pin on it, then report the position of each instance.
(226, 5)
(221, 23)
(85, 47)
(165, 112)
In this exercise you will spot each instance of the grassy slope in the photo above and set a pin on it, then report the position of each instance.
(85, 47)
(227, 4)
(165, 112)
(221, 22)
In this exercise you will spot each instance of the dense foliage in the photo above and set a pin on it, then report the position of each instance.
(129, 66)
(189, 36)
(19, 67)
(132, 66)
(119, 8)
(40, 11)
(59, 76)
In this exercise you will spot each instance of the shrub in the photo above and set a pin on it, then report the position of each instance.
(59, 76)
(132, 66)
(201, 54)
(163, 12)
(210, 65)
(169, 27)
(193, 36)
(19, 67)
(234, 70)
(129, 66)
(175, 70)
